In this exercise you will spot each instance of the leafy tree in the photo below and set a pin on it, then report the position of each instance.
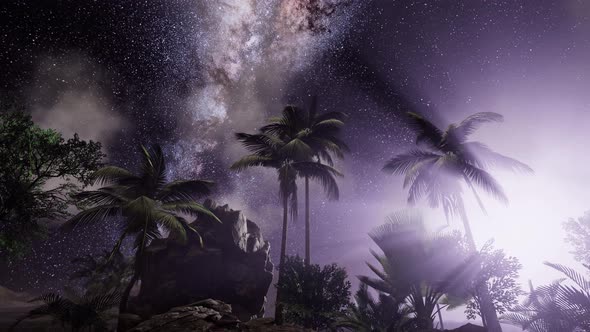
(314, 296)
(369, 315)
(418, 268)
(500, 273)
(39, 169)
(78, 312)
(285, 155)
(562, 306)
(321, 133)
(144, 203)
(444, 159)
(578, 235)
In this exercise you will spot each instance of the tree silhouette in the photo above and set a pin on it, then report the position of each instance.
(444, 159)
(145, 202)
(386, 314)
(562, 306)
(321, 133)
(284, 155)
(418, 268)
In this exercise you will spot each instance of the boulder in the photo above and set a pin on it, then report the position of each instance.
(233, 265)
(208, 315)
(469, 328)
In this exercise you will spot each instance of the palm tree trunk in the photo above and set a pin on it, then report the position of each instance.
(134, 278)
(278, 303)
(307, 224)
(488, 311)
(438, 309)
(125, 299)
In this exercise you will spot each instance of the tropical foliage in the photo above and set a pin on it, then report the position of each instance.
(418, 269)
(289, 156)
(39, 169)
(386, 314)
(320, 132)
(314, 296)
(578, 236)
(500, 273)
(145, 203)
(442, 160)
(77, 313)
(562, 306)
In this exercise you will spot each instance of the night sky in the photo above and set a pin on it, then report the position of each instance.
(188, 74)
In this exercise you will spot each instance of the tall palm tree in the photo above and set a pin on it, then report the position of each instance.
(418, 268)
(444, 159)
(145, 203)
(284, 155)
(321, 133)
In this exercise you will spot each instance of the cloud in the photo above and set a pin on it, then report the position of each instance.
(70, 95)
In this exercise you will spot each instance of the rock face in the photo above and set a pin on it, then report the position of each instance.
(208, 315)
(233, 266)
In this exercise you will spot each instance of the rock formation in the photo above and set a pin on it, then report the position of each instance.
(208, 315)
(232, 265)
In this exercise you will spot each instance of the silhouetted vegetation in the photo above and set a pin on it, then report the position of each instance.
(578, 236)
(290, 155)
(145, 203)
(387, 314)
(76, 312)
(314, 296)
(500, 273)
(321, 134)
(418, 268)
(39, 169)
(562, 306)
(444, 159)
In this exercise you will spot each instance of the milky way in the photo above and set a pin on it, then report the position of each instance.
(188, 74)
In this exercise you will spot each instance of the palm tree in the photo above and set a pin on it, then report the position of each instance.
(418, 268)
(78, 312)
(285, 157)
(146, 203)
(321, 133)
(386, 314)
(442, 160)
(557, 307)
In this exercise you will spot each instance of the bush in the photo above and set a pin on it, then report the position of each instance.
(314, 296)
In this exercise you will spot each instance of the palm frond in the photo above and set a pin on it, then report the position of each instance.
(473, 122)
(296, 149)
(426, 131)
(190, 208)
(154, 166)
(252, 160)
(93, 215)
(483, 157)
(574, 276)
(113, 174)
(324, 174)
(104, 196)
(485, 181)
(260, 144)
(185, 190)
(171, 223)
(402, 163)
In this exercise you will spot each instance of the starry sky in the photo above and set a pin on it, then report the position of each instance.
(188, 74)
